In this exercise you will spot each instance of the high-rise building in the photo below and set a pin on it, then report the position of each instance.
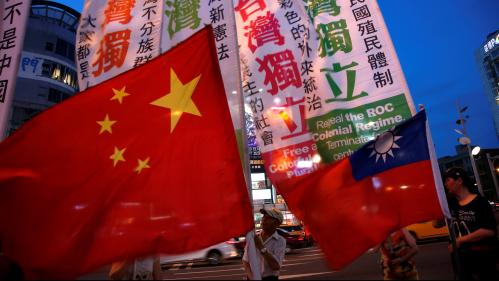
(47, 73)
(488, 61)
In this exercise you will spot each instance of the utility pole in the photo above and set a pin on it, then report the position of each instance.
(467, 142)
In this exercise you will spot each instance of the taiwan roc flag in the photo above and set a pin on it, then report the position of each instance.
(355, 203)
(144, 163)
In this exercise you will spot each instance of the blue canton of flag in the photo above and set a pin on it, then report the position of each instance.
(405, 144)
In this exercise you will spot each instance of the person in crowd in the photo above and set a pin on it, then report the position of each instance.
(270, 246)
(397, 252)
(475, 226)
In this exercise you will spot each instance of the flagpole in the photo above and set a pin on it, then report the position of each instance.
(444, 204)
(253, 261)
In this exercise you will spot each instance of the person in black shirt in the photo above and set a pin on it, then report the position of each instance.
(475, 225)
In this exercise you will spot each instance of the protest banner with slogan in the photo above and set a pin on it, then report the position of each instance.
(181, 19)
(363, 91)
(13, 18)
(276, 62)
(115, 36)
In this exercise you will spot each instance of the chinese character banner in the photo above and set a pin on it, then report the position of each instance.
(13, 18)
(182, 18)
(277, 71)
(115, 36)
(363, 91)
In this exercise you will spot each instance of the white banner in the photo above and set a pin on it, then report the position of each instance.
(363, 91)
(181, 19)
(115, 36)
(13, 17)
(277, 72)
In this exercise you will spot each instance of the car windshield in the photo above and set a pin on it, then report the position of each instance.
(290, 228)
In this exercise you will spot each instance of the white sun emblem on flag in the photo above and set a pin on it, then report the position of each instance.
(384, 145)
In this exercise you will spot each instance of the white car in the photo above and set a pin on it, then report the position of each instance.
(213, 255)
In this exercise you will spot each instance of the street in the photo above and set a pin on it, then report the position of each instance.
(433, 262)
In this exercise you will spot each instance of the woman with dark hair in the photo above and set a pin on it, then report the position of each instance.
(475, 225)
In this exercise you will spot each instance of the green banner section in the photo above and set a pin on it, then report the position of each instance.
(340, 132)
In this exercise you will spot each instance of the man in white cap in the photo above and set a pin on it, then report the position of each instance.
(270, 245)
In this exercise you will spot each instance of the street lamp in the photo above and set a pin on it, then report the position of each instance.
(465, 140)
(475, 151)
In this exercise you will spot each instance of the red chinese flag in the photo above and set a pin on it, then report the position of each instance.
(354, 204)
(144, 163)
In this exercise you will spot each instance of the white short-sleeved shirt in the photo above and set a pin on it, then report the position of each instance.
(276, 246)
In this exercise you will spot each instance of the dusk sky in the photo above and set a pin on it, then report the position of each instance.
(436, 43)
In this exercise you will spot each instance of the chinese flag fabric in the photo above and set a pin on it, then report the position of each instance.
(355, 203)
(141, 164)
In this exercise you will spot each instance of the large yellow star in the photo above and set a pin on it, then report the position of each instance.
(106, 124)
(179, 100)
(142, 164)
(118, 155)
(119, 95)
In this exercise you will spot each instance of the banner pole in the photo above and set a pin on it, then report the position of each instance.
(252, 256)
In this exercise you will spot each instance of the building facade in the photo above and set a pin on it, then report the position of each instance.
(47, 73)
(487, 58)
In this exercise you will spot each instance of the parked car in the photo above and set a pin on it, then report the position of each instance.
(426, 231)
(213, 255)
(239, 243)
(294, 235)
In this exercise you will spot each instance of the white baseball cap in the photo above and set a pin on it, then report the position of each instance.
(273, 213)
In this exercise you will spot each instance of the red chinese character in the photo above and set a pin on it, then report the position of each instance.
(119, 10)
(284, 114)
(112, 51)
(247, 7)
(281, 71)
(262, 30)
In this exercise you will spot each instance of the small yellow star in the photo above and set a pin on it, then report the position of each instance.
(118, 155)
(142, 165)
(106, 124)
(119, 95)
(179, 100)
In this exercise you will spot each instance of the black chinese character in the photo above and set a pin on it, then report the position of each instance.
(220, 32)
(88, 21)
(292, 17)
(148, 11)
(382, 79)
(222, 52)
(147, 29)
(11, 11)
(8, 41)
(146, 45)
(372, 42)
(4, 62)
(217, 14)
(3, 90)
(361, 13)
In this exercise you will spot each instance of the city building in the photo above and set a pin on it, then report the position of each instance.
(486, 164)
(487, 58)
(47, 73)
